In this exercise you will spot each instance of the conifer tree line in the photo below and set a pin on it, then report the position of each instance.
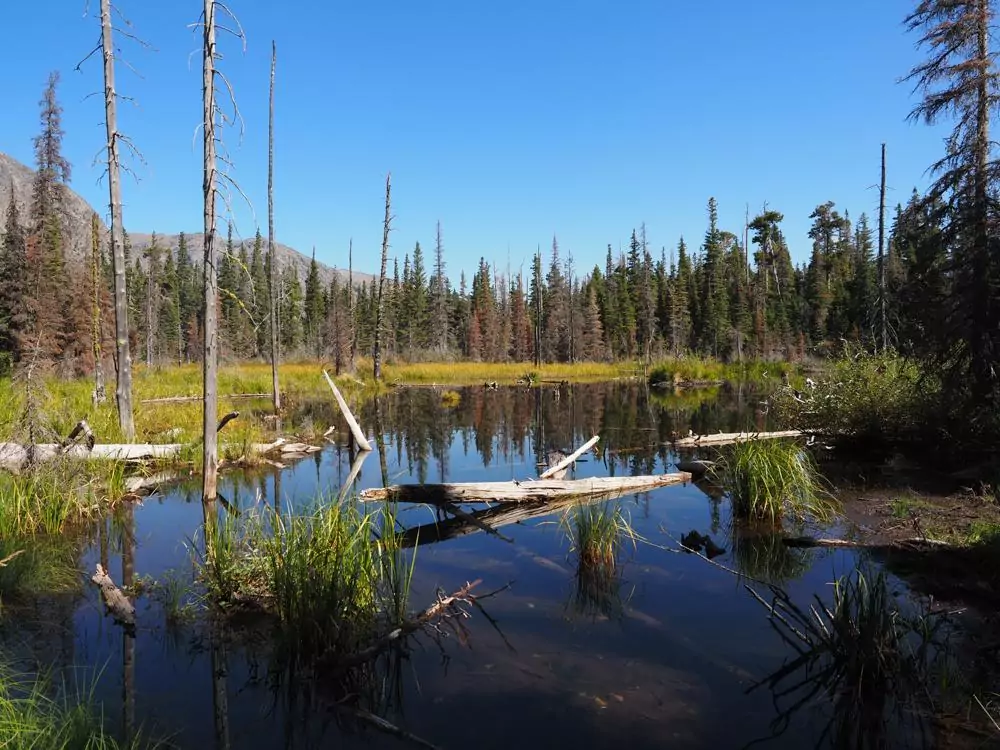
(734, 294)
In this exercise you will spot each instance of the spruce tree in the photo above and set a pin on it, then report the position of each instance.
(314, 315)
(13, 286)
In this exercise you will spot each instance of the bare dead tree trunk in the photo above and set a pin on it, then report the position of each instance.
(350, 301)
(883, 327)
(150, 312)
(123, 359)
(272, 279)
(380, 312)
(100, 396)
(211, 363)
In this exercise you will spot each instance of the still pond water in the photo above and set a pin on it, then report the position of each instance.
(666, 659)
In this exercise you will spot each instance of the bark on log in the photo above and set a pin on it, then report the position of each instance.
(909, 543)
(695, 468)
(116, 602)
(726, 438)
(359, 436)
(182, 399)
(538, 490)
(570, 458)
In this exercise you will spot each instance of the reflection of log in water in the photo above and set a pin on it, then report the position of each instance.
(356, 464)
(495, 517)
(380, 442)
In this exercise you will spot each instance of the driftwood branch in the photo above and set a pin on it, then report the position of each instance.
(359, 436)
(570, 458)
(913, 542)
(477, 522)
(386, 726)
(445, 606)
(114, 600)
(226, 420)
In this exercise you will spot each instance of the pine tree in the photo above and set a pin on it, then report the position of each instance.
(714, 338)
(593, 331)
(290, 309)
(314, 315)
(50, 294)
(680, 306)
(521, 329)
(439, 299)
(13, 287)
(169, 323)
(555, 338)
(418, 332)
(259, 307)
(188, 298)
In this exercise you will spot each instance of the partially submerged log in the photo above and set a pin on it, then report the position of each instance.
(539, 490)
(909, 543)
(566, 462)
(727, 438)
(15, 455)
(359, 436)
(114, 600)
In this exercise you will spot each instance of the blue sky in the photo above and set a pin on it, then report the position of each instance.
(508, 122)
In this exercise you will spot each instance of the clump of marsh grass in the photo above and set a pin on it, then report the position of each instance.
(30, 566)
(450, 398)
(36, 713)
(332, 576)
(598, 534)
(767, 479)
(861, 650)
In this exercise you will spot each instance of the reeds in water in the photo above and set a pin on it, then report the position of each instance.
(598, 533)
(767, 479)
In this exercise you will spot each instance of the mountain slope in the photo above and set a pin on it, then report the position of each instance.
(78, 213)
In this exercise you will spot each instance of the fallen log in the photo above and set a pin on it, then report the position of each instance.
(566, 462)
(114, 600)
(726, 438)
(909, 543)
(538, 490)
(182, 399)
(359, 436)
(15, 455)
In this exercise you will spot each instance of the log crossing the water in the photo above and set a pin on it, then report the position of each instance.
(530, 490)
(727, 438)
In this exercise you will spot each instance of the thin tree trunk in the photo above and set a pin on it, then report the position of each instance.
(95, 269)
(350, 302)
(123, 359)
(380, 312)
(150, 324)
(883, 327)
(211, 363)
(272, 280)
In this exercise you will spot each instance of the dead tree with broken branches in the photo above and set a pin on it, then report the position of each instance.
(214, 119)
(380, 307)
(113, 160)
(272, 279)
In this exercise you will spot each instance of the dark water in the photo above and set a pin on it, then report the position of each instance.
(670, 666)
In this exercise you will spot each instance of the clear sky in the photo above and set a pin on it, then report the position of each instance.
(508, 122)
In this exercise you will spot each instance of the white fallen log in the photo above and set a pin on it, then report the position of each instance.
(726, 438)
(537, 490)
(15, 455)
(570, 458)
(114, 600)
(359, 436)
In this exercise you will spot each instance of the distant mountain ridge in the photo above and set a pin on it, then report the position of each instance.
(78, 217)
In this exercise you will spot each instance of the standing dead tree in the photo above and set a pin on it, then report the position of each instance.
(883, 327)
(115, 139)
(213, 121)
(380, 308)
(272, 280)
(100, 396)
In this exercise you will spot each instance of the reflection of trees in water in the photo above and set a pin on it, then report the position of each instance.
(509, 424)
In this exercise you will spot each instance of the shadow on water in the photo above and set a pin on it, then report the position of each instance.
(649, 648)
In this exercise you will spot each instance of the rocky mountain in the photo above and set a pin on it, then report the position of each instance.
(78, 213)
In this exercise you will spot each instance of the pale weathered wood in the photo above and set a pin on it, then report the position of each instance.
(123, 363)
(210, 365)
(182, 399)
(379, 305)
(538, 490)
(359, 436)
(353, 474)
(566, 462)
(116, 602)
(725, 438)
(272, 278)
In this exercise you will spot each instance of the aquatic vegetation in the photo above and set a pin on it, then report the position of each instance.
(172, 592)
(598, 534)
(768, 478)
(331, 576)
(861, 650)
(694, 369)
(31, 566)
(762, 555)
(450, 398)
(37, 713)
